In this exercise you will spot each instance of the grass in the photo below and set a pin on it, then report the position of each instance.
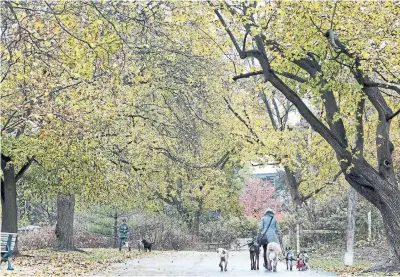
(336, 266)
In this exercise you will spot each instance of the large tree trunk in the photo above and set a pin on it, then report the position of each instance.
(65, 222)
(196, 220)
(9, 200)
(386, 197)
(351, 226)
(390, 210)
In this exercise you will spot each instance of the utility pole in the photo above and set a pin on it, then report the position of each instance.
(369, 226)
(351, 224)
(298, 238)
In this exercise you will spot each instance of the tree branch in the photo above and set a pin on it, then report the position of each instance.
(359, 139)
(24, 168)
(169, 155)
(381, 85)
(292, 76)
(247, 75)
(393, 115)
(244, 122)
(242, 54)
(308, 196)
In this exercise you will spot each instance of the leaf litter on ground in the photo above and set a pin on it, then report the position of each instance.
(46, 262)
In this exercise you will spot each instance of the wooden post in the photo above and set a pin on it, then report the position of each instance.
(369, 225)
(298, 238)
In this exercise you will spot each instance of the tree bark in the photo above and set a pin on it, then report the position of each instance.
(390, 210)
(65, 222)
(351, 225)
(196, 223)
(9, 200)
(9, 193)
(293, 187)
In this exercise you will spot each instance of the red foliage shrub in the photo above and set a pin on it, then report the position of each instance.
(257, 196)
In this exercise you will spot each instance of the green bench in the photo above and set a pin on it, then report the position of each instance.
(7, 244)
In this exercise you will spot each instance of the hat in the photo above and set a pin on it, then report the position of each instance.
(269, 210)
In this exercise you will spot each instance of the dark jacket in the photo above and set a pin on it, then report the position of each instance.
(123, 230)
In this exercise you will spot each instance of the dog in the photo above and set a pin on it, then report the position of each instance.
(147, 245)
(273, 252)
(254, 249)
(302, 261)
(223, 258)
(289, 257)
(140, 245)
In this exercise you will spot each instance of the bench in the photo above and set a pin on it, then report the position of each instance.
(7, 244)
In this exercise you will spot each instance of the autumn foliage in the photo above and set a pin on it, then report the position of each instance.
(257, 196)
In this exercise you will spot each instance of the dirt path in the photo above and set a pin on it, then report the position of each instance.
(186, 263)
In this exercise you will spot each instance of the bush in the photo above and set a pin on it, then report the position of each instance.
(228, 230)
(44, 238)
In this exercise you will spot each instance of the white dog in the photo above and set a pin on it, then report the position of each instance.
(223, 257)
(273, 252)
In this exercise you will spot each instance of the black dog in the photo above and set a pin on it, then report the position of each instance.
(254, 249)
(147, 245)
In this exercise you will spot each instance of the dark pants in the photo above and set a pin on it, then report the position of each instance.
(265, 255)
(121, 242)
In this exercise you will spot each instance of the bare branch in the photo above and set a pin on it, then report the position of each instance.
(393, 115)
(381, 85)
(244, 122)
(292, 76)
(24, 168)
(308, 196)
(242, 54)
(247, 75)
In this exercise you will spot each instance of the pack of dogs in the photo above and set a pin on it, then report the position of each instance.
(273, 251)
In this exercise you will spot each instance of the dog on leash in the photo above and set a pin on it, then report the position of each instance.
(140, 245)
(223, 258)
(254, 249)
(289, 257)
(302, 261)
(147, 245)
(273, 252)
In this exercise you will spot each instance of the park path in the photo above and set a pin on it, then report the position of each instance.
(190, 263)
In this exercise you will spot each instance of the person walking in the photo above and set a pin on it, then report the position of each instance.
(269, 232)
(123, 233)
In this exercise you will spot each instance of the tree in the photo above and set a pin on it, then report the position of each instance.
(103, 110)
(257, 196)
(341, 72)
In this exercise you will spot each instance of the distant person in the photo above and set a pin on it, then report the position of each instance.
(123, 233)
(269, 232)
